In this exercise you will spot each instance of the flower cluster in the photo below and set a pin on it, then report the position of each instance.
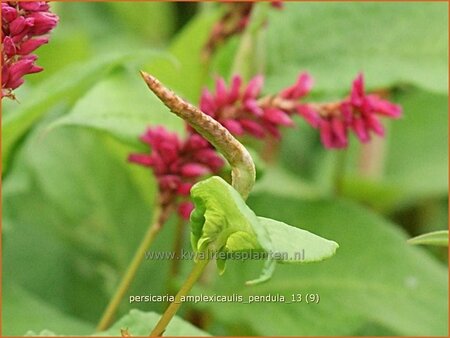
(242, 111)
(360, 113)
(177, 164)
(23, 27)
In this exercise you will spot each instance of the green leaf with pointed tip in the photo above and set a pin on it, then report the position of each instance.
(65, 87)
(222, 222)
(294, 245)
(431, 238)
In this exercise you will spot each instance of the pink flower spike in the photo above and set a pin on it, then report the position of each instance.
(210, 158)
(236, 83)
(384, 107)
(207, 103)
(20, 24)
(184, 189)
(253, 88)
(194, 143)
(19, 69)
(304, 85)
(185, 210)
(357, 93)
(254, 128)
(141, 159)
(34, 6)
(277, 117)
(193, 170)
(273, 130)
(326, 134)
(221, 92)
(374, 123)
(360, 130)
(233, 126)
(309, 114)
(9, 47)
(44, 22)
(301, 88)
(31, 45)
(253, 107)
(339, 131)
(8, 13)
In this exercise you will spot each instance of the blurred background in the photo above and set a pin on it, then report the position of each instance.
(74, 210)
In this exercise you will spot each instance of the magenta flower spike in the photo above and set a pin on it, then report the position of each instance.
(23, 27)
(359, 112)
(177, 164)
(243, 111)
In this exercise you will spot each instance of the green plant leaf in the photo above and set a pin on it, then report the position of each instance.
(376, 278)
(64, 87)
(22, 311)
(140, 323)
(136, 323)
(120, 106)
(392, 43)
(222, 222)
(294, 245)
(186, 47)
(431, 238)
(78, 208)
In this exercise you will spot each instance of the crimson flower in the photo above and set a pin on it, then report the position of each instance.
(23, 27)
(241, 110)
(359, 113)
(177, 164)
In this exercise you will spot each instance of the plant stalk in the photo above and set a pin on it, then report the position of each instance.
(185, 288)
(243, 171)
(160, 217)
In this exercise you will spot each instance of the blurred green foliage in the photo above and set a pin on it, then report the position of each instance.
(74, 210)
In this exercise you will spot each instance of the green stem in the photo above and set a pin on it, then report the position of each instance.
(185, 288)
(159, 219)
(177, 248)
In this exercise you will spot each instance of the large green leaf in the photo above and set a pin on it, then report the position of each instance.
(294, 245)
(122, 106)
(375, 278)
(190, 73)
(65, 87)
(68, 212)
(139, 323)
(417, 157)
(391, 43)
(22, 311)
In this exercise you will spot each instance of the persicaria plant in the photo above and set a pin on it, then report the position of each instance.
(223, 147)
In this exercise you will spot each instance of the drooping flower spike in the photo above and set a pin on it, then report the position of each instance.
(23, 27)
(242, 110)
(359, 113)
(177, 164)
